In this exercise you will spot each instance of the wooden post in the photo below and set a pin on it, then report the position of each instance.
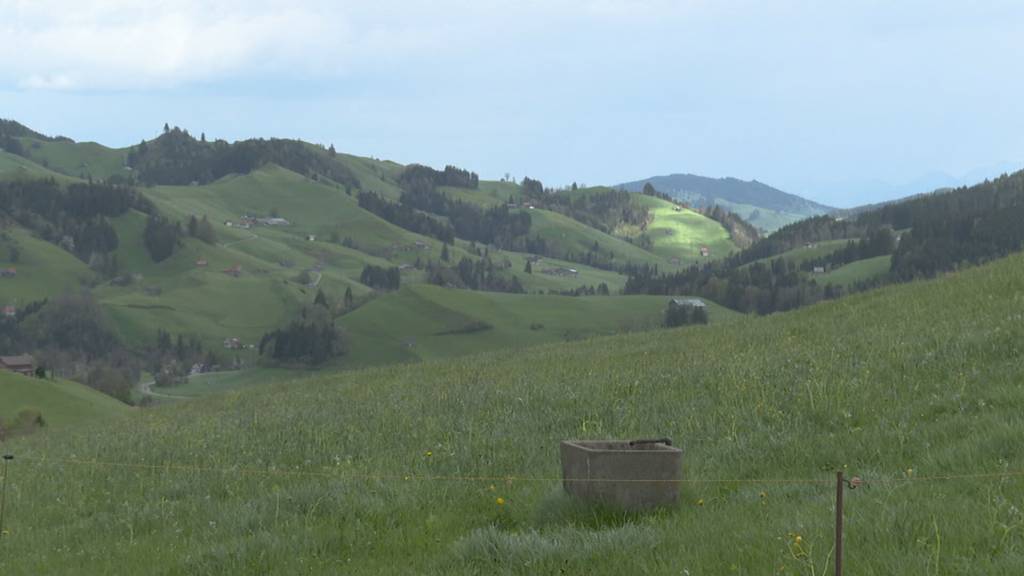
(3, 493)
(839, 523)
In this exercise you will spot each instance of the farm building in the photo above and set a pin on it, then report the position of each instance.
(232, 343)
(560, 271)
(10, 311)
(819, 269)
(705, 251)
(21, 364)
(202, 263)
(310, 238)
(686, 303)
(8, 273)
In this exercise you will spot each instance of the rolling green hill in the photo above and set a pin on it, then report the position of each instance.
(76, 159)
(43, 270)
(329, 240)
(763, 206)
(429, 322)
(681, 234)
(400, 469)
(63, 404)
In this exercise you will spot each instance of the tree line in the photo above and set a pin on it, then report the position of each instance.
(178, 158)
(416, 177)
(74, 216)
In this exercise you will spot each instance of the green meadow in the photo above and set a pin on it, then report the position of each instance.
(64, 405)
(858, 271)
(451, 466)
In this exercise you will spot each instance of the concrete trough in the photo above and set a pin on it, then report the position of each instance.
(632, 475)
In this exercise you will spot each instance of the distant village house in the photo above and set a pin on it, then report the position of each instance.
(21, 364)
(705, 251)
(10, 311)
(8, 273)
(693, 303)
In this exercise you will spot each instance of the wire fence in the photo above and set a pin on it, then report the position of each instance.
(901, 478)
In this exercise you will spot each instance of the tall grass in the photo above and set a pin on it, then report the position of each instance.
(328, 476)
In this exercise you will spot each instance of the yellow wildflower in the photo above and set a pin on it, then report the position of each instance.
(499, 501)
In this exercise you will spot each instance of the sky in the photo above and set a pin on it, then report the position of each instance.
(844, 102)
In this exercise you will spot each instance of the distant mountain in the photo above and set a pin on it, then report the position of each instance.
(766, 207)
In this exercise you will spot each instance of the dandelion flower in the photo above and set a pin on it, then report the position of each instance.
(429, 453)
(700, 502)
(499, 501)
(798, 539)
(764, 494)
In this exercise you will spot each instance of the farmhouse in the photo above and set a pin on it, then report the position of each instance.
(22, 364)
(10, 311)
(202, 263)
(561, 271)
(8, 273)
(232, 343)
(819, 269)
(310, 238)
(705, 251)
(687, 303)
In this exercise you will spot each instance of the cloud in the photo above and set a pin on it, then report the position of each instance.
(121, 44)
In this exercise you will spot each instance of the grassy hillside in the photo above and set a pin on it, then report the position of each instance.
(682, 234)
(564, 235)
(44, 270)
(429, 322)
(14, 167)
(804, 253)
(63, 404)
(858, 271)
(334, 475)
(763, 206)
(77, 159)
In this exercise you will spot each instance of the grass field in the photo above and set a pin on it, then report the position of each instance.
(351, 473)
(63, 404)
(563, 235)
(682, 234)
(802, 254)
(77, 159)
(429, 322)
(860, 270)
(43, 269)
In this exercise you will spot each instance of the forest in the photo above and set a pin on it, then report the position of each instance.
(178, 158)
(74, 217)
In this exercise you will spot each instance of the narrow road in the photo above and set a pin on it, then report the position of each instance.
(147, 390)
